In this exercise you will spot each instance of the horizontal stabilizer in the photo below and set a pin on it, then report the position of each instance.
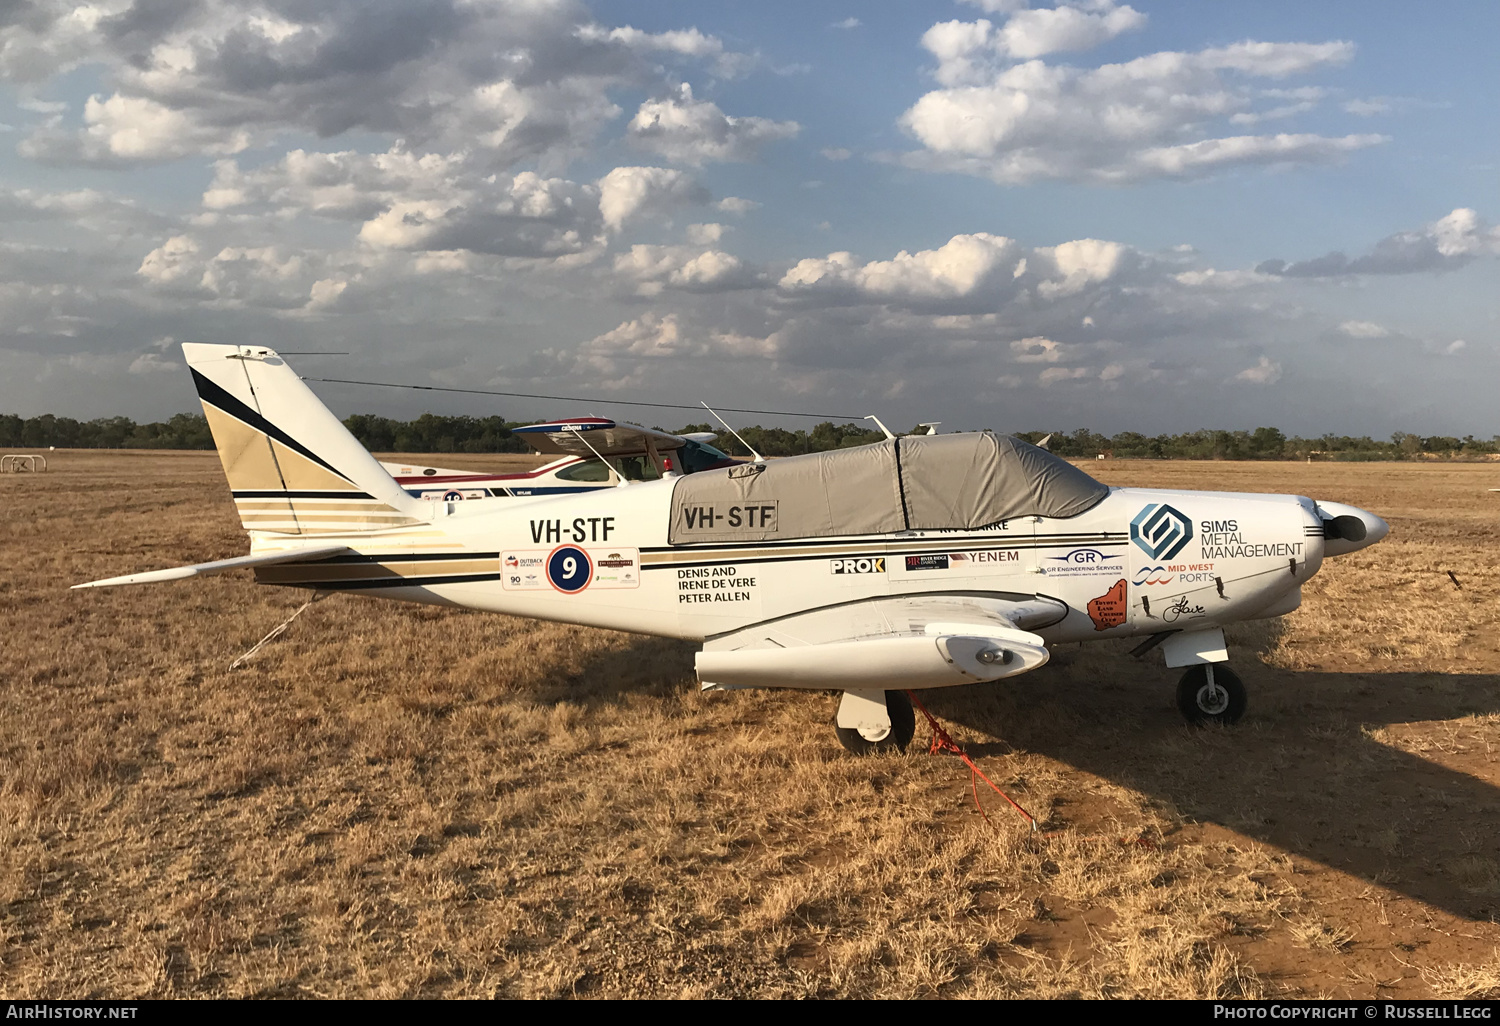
(178, 573)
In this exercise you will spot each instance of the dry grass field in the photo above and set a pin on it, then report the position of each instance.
(396, 801)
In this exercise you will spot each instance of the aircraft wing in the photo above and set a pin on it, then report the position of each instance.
(609, 437)
(914, 641)
(399, 470)
(178, 573)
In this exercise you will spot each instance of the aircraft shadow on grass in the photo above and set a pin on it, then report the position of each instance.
(1299, 772)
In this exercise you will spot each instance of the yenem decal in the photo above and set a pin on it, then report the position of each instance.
(1161, 531)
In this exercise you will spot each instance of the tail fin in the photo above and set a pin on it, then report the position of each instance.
(293, 468)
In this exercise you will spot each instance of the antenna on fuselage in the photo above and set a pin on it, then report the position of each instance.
(882, 427)
(758, 457)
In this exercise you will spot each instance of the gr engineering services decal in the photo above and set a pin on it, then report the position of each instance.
(1084, 562)
(570, 569)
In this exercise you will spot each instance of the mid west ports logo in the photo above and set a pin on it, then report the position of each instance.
(1161, 531)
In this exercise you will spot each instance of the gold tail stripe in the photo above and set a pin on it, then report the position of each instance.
(323, 520)
(333, 573)
(254, 505)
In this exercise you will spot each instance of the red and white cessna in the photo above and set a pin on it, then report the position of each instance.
(596, 453)
(915, 562)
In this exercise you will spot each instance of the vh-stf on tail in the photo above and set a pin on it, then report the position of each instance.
(915, 562)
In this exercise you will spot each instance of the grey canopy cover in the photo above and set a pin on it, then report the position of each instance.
(921, 482)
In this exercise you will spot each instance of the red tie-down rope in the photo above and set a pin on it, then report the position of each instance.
(941, 742)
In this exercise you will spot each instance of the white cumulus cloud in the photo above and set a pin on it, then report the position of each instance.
(1018, 120)
(1263, 373)
(958, 268)
(1447, 243)
(630, 191)
(1363, 329)
(692, 131)
(506, 80)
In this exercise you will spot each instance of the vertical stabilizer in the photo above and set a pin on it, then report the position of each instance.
(293, 468)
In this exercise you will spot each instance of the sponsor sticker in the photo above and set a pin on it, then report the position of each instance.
(1172, 573)
(990, 556)
(1183, 609)
(455, 495)
(938, 561)
(1161, 531)
(1109, 610)
(543, 570)
(858, 565)
(618, 569)
(1084, 562)
(1225, 539)
(522, 571)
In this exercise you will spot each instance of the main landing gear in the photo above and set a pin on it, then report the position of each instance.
(1211, 693)
(875, 721)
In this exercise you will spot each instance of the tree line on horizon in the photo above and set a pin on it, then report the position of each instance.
(431, 433)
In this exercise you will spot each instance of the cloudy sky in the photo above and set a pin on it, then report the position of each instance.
(1156, 216)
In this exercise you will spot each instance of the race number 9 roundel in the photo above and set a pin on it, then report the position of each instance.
(569, 569)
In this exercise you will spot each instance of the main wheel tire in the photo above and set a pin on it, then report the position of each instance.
(1224, 703)
(903, 727)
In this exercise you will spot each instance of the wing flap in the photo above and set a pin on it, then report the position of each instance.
(178, 573)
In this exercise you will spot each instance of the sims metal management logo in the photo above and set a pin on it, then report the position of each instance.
(1161, 531)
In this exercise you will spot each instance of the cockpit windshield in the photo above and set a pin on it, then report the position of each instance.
(697, 456)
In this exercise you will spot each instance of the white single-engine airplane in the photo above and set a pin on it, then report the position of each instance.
(916, 562)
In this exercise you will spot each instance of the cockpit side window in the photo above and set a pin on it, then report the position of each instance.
(636, 468)
(588, 472)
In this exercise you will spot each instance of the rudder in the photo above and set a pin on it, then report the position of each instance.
(292, 466)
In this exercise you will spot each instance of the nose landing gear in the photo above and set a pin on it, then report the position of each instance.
(1211, 693)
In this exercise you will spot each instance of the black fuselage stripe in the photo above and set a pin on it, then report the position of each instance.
(711, 560)
(402, 557)
(388, 582)
(954, 542)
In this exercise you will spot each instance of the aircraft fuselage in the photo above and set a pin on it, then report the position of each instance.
(1140, 562)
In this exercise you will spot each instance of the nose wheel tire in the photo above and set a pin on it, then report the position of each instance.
(1211, 693)
(903, 727)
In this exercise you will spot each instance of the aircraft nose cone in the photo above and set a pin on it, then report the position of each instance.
(1349, 528)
